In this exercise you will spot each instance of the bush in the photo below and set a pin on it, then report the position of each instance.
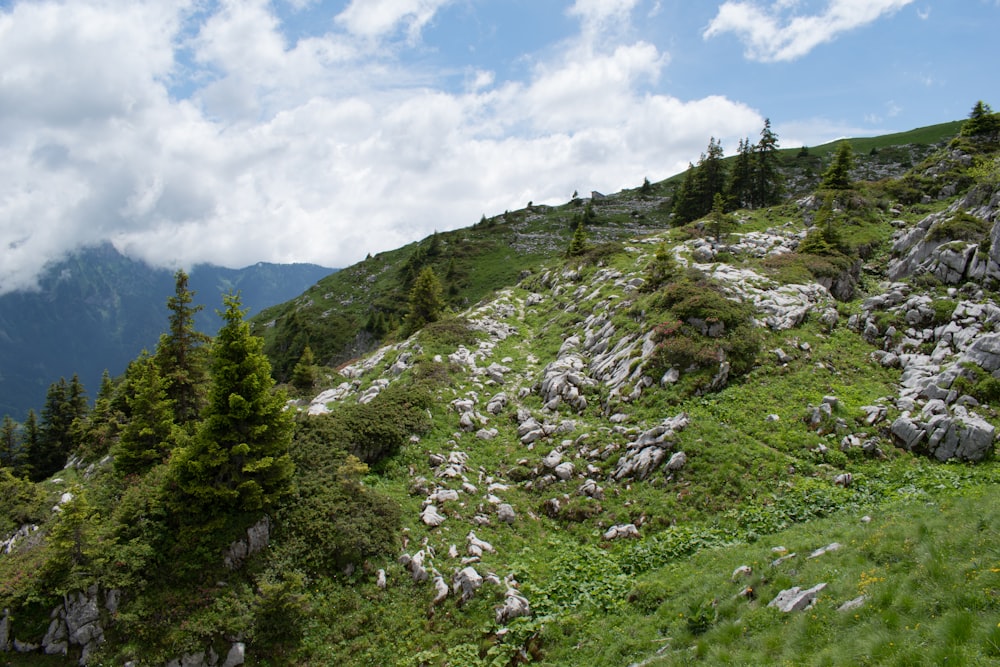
(959, 227)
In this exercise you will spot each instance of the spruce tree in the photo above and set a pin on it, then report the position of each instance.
(425, 300)
(65, 405)
(238, 460)
(838, 175)
(719, 222)
(8, 442)
(740, 188)
(578, 243)
(30, 442)
(766, 177)
(982, 121)
(148, 437)
(305, 375)
(181, 356)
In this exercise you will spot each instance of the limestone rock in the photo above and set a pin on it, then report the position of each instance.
(796, 599)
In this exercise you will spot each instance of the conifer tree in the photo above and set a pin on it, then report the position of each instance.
(8, 442)
(766, 177)
(65, 404)
(181, 354)
(982, 121)
(838, 175)
(104, 421)
(740, 188)
(719, 222)
(697, 191)
(148, 437)
(238, 460)
(30, 442)
(305, 375)
(425, 300)
(578, 243)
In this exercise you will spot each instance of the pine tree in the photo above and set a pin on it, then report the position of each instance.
(425, 300)
(838, 175)
(700, 184)
(238, 460)
(181, 355)
(30, 442)
(148, 437)
(766, 177)
(686, 204)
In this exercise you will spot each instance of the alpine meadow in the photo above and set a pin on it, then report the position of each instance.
(745, 415)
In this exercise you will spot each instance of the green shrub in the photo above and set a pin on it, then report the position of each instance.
(959, 227)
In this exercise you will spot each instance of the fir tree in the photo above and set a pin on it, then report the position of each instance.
(30, 442)
(700, 185)
(180, 355)
(238, 460)
(425, 300)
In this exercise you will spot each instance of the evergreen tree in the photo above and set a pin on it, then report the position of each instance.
(425, 300)
(8, 443)
(766, 177)
(578, 243)
(741, 178)
(982, 121)
(181, 355)
(104, 421)
(305, 374)
(238, 460)
(719, 222)
(700, 184)
(686, 200)
(838, 175)
(65, 405)
(149, 436)
(30, 442)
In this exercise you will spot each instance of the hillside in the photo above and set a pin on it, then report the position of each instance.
(759, 439)
(97, 309)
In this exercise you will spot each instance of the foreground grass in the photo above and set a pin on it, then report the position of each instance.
(928, 568)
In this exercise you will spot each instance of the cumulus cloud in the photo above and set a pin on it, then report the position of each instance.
(379, 18)
(779, 33)
(185, 136)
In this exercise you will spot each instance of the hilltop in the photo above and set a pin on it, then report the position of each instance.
(762, 437)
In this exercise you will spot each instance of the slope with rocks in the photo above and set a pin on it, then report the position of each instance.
(617, 457)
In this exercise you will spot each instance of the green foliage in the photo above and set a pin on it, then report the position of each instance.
(65, 405)
(238, 459)
(694, 198)
(577, 244)
(662, 269)
(305, 375)
(181, 355)
(838, 174)
(426, 304)
(21, 502)
(149, 435)
(960, 227)
(979, 384)
(719, 223)
(982, 121)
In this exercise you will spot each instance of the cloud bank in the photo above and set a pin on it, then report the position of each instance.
(188, 133)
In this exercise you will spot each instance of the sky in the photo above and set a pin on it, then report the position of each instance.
(240, 131)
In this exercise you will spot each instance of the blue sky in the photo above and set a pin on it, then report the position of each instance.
(233, 132)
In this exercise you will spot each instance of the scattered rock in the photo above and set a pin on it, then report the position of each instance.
(796, 599)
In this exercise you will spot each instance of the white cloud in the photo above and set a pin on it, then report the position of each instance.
(375, 19)
(312, 150)
(777, 33)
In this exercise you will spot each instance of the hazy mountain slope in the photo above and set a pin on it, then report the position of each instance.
(98, 309)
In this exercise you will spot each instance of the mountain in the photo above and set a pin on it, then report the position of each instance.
(98, 309)
(763, 437)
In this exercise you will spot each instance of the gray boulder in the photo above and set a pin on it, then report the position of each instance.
(796, 599)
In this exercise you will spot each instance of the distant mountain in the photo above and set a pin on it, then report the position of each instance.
(98, 309)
